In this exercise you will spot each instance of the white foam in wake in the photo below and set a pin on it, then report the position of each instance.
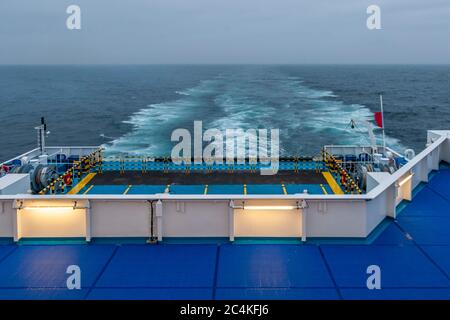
(307, 118)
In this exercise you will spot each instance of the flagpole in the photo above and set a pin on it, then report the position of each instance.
(382, 121)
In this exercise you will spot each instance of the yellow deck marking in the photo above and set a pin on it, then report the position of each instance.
(206, 189)
(323, 189)
(284, 188)
(167, 189)
(245, 189)
(127, 189)
(82, 184)
(332, 183)
(88, 189)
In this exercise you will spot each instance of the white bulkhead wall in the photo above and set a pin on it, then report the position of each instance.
(120, 218)
(7, 219)
(195, 219)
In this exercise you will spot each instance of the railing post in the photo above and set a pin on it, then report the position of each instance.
(423, 170)
(435, 158)
(159, 216)
(16, 232)
(391, 197)
(231, 220)
(302, 213)
(88, 222)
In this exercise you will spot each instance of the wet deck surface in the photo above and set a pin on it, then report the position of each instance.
(413, 253)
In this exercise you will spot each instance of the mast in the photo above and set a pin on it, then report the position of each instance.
(41, 132)
(382, 121)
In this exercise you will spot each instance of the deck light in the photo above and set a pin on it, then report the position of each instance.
(73, 205)
(270, 207)
(401, 183)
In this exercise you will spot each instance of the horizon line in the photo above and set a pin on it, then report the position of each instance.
(227, 64)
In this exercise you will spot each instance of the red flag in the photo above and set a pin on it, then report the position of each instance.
(379, 119)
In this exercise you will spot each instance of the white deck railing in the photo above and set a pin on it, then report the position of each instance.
(420, 166)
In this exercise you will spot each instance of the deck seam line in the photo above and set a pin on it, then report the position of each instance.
(327, 266)
(101, 273)
(438, 193)
(425, 253)
(216, 273)
(88, 189)
(232, 287)
(9, 253)
(200, 287)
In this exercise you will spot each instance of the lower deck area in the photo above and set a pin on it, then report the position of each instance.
(412, 251)
(202, 183)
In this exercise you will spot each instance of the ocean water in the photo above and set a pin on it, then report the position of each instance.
(134, 109)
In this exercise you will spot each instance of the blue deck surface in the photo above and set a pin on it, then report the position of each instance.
(226, 189)
(397, 294)
(5, 250)
(440, 184)
(187, 189)
(150, 294)
(36, 266)
(272, 266)
(400, 266)
(413, 253)
(393, 236)
(427, 230)
(42, 294)
(311, 188)
(264, 189)
(212, 189)
(170, 266)
(276, 294)
(106, 189)
(147, 189)
(428, 203)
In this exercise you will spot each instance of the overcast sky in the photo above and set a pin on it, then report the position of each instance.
(224, 31)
